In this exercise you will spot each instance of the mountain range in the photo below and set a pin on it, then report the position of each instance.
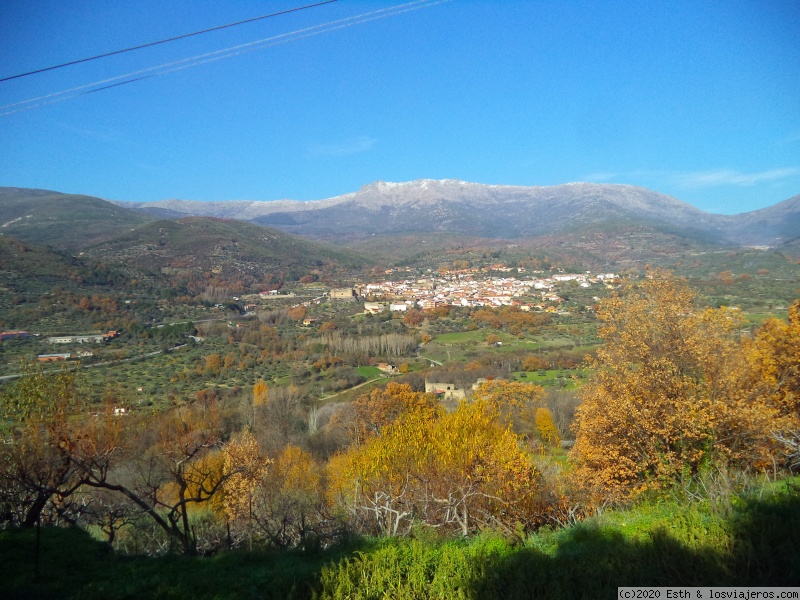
(495, 211)
(396, 221)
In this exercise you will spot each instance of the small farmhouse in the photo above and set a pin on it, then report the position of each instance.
(373, 308)
(447, 391)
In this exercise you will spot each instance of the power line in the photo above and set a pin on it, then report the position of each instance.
(172, 39)
(216, 55)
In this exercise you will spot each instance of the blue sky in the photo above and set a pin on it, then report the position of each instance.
(696, 99)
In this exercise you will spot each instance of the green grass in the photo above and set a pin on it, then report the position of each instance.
(369, 372)
(749, 541)
(73, 565)
(758, 319)
(462, 337)
(661, 544)
(566, 379)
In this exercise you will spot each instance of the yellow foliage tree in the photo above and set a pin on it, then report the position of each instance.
(244, 455)
(546, 426)
(666, 394)
(213, 363)
(509, 394)
(459, 471)
(775, 355)
(260, 393)
(290, 504)
(516, 401)
(369, 413)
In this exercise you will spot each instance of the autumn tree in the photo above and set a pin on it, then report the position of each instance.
(297, 313)
(248, 467)
(290, 505)
(327, 327)
(213, 364)
(546, 426)
(159, 469)
(458, 472)
(666, 394)
(534, 363)
(173, 469)
(54, 446)
(369, 413)
(413, 317)
(515, 401)
(260, 391)
(774, 358)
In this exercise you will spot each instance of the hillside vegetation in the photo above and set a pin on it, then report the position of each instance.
(62, 220)
(231, 250)
(747, 540)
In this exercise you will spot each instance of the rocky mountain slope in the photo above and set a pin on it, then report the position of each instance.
(414, 207)
(499, 212)
(774, 226)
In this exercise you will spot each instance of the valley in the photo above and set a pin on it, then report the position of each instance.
(211, 339)
(184, 289)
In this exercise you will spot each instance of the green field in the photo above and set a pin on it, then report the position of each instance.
(563, 379)
(369, 372)
(464, 346)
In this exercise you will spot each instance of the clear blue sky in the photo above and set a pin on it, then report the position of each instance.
(696, 99)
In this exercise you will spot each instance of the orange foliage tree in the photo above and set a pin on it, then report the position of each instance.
(297, 313)
(413, 318)
(534, 363)
(774, 357)
(666, 394)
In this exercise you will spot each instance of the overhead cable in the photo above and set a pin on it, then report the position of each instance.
(216, 55)
(172, 39)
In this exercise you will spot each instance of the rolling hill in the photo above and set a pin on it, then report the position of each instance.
(231, 250)
(63, 220)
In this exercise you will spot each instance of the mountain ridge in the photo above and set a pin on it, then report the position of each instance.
(497, 211)
(475, 209)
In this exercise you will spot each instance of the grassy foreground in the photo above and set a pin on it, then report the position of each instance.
(737, 542)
